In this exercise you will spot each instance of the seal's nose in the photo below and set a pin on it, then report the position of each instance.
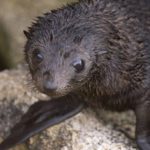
(49, 86)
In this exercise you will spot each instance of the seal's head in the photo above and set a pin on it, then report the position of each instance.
(59, 58)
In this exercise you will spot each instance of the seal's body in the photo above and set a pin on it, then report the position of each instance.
(94, 53)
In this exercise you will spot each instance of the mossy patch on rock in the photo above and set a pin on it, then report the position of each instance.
(6, 60)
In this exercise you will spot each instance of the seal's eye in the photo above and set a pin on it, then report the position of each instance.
(78, 65)
(37, 56)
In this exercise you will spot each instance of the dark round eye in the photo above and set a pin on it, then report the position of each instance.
(78, 65)
(37, 56)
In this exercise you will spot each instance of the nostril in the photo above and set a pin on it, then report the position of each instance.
(46, 74)
(49, 86)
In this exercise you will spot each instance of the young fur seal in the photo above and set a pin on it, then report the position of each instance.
(88, 53)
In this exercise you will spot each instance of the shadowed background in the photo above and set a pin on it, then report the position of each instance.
(16, 16)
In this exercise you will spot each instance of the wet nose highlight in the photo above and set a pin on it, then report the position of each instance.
(49, 86)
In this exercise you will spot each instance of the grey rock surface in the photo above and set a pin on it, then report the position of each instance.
(85, 131)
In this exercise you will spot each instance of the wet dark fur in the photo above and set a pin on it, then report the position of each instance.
(115, 34)
(117, 41)
(113, 38)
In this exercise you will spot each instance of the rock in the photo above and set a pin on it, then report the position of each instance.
(85, 131)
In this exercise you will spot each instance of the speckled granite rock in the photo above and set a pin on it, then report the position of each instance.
(85, 131)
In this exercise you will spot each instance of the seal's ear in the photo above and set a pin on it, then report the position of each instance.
(27, 34)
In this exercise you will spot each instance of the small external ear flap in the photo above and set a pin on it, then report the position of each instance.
(27, 34)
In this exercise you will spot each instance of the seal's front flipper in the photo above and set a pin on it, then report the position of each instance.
(40, 116)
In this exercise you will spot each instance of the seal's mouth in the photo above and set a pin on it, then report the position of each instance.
(53, 90)
(55, 94)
